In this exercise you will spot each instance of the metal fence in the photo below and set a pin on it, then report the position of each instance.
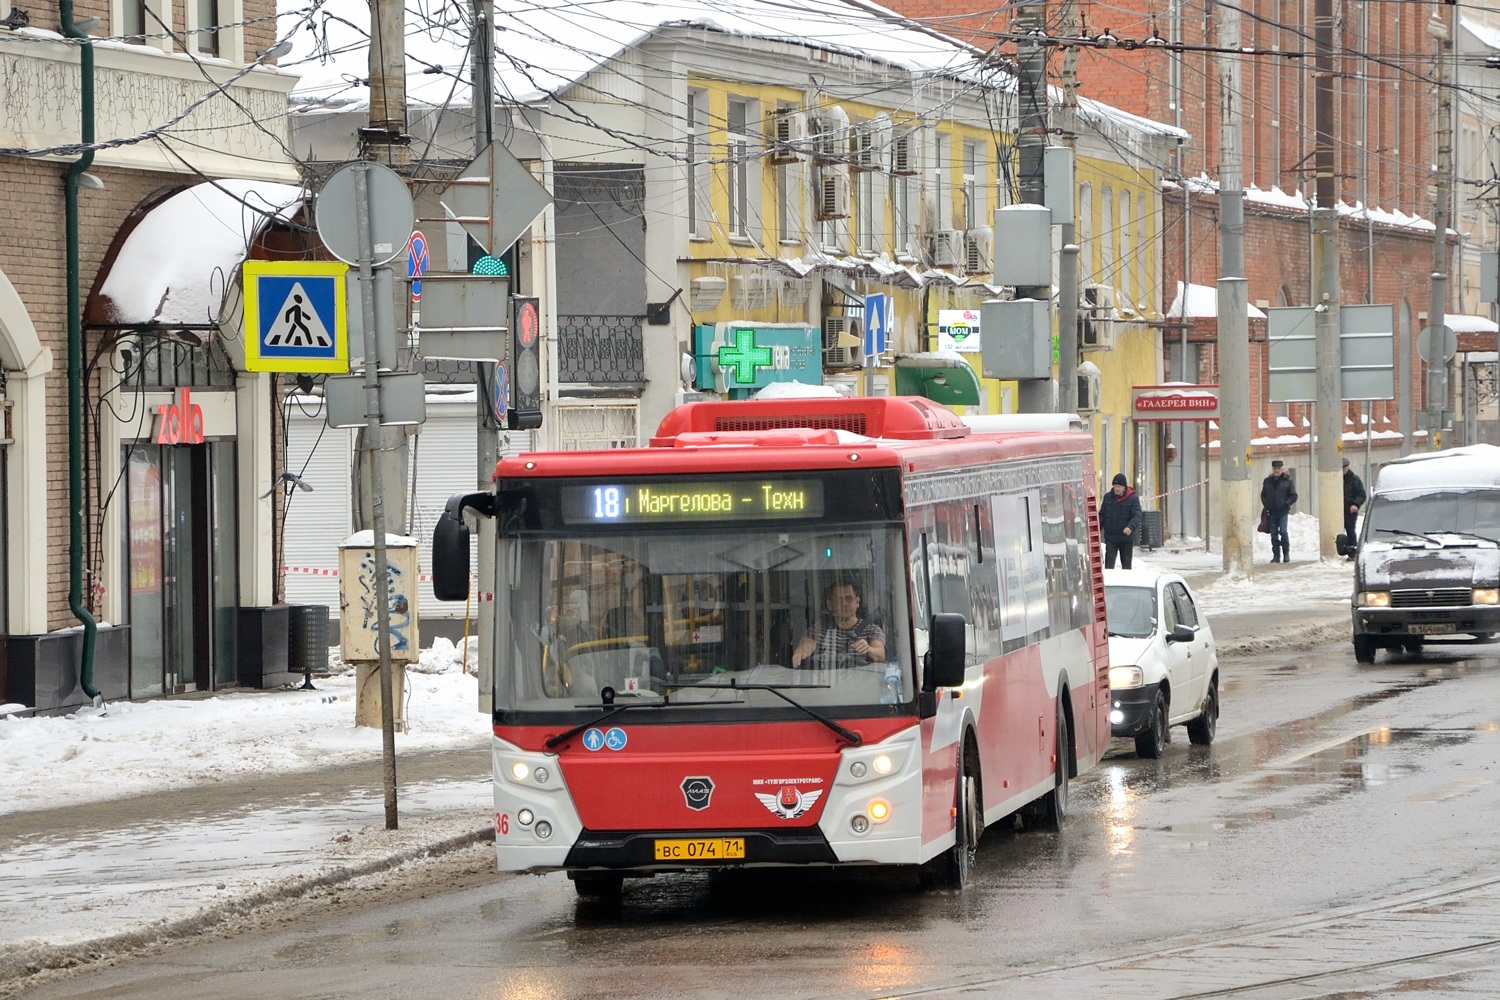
(600, 349)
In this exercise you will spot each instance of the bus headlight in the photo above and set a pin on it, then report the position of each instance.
(883, 763)
(520, 771)
(1374, 598)
(1486, 596)
(1126, 677)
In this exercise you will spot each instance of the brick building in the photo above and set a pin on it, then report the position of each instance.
(175, 542)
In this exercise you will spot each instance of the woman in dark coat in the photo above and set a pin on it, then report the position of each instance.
(1119, 521)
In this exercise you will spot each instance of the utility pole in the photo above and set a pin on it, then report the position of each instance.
(1329, 405)
(1036, 395)
(1441, 32)
(384, 140)
(1233, 331)
(1067, 267)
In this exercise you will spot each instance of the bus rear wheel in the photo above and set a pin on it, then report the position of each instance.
(1049, 811)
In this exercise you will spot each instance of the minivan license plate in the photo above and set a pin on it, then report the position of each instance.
(1430, 629)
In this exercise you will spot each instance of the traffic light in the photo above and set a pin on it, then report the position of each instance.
(525, 368)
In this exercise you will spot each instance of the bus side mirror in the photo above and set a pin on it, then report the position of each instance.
(945, 651)
(450, 553)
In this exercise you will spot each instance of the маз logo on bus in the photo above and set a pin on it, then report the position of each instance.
(790, 802)
(697, 792)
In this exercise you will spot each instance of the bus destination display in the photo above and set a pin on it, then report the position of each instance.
(662, 502)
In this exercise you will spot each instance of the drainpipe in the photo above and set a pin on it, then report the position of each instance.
(75, 355)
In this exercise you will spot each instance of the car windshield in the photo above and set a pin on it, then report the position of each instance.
(1130, 611)
(685, 617)
(1470, 511)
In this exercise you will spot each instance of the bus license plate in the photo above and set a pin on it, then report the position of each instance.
(701, 849)
(1430, 629)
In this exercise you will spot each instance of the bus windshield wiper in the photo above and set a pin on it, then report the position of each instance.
(779, 690)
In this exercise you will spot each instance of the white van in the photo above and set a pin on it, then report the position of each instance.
(1428, 554)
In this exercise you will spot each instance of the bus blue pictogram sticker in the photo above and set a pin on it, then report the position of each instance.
(615, 739)
(593, 739)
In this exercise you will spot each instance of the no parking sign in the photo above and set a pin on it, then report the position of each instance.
(416, 263)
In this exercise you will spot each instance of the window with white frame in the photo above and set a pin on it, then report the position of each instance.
(1085, 233)
(203, 32)
(976, 194)
(1107, 236)
(1126, 280)
(785, 177)
(867, 237)
(1004, 175)
(737, 167)
(902, 218)
(1143, 273)
(697, 163)
(942, 193)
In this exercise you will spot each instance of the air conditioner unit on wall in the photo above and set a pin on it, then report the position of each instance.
(789, 133)
(833, 193)
(977, 245)
(843, 344)
(947, 248)
(904, 154)
(870, 141)
(829, 130)
(1096, 318)
(1098, 298)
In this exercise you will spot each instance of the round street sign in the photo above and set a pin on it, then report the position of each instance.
(1426, 348)
(391, 213)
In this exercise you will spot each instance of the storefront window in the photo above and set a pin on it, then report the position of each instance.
(144, 557)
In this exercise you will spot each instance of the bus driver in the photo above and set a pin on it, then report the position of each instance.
(842, 636)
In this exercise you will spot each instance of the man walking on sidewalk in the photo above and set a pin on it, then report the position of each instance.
(1354, 499)
(1277, 494)
(1119, 522)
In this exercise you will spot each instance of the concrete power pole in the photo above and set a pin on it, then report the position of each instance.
(1036, 395)
(1329, 390)
(1441, 32)
(1067, 268)
(1233, 322)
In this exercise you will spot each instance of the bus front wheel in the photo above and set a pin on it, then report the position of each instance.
(952, 868)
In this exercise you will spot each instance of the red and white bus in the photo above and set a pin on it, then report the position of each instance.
(791, 632)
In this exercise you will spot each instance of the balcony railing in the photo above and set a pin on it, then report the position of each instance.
(600, 349)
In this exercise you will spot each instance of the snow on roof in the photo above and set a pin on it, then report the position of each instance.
(1487, 36)
(1203, 303)
(174, 266)
(1469, 323)
(1275, 197)
(542, 49)
(1473, 466)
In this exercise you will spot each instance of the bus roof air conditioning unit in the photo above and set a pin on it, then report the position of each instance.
(947, 248)
(977, 244)
(789, 132)
(833, 193)
(843, 344)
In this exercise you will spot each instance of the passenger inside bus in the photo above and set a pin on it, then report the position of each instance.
(844, 636)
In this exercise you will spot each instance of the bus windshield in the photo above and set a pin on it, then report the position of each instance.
(682, 617)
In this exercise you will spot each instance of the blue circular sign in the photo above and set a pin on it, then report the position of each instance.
(593, 739)
(615, 739)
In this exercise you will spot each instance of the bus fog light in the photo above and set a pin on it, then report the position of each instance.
(519, 771)
(1116, 717)
(541, 774)
(883, 764)
(859, 824)
(857, 769)
(544, 829)
(879, 810)
(525, 816)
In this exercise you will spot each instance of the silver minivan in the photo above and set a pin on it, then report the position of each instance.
(1428, 553)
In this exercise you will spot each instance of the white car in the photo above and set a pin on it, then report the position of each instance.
(1163, 670)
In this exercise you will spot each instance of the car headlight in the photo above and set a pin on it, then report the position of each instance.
(1126, 677)
(1486, 596)
(1374, 598)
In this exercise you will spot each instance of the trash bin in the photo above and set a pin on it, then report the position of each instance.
(1152, 534)
(307, 639)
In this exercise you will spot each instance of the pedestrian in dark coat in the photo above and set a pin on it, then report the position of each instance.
(1119, 521)
(1277, 495)
(1354, 499)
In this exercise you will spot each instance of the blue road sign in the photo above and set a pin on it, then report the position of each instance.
(296, 316)
(417, 263)
(499, 393)
(877, 323)
(593, 739)
(615, 738)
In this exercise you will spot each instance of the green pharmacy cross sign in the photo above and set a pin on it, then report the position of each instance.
(744, 357)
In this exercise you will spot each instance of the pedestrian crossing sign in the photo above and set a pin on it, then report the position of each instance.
(296, 316)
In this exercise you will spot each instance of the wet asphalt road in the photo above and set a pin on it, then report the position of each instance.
(1340, 839)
